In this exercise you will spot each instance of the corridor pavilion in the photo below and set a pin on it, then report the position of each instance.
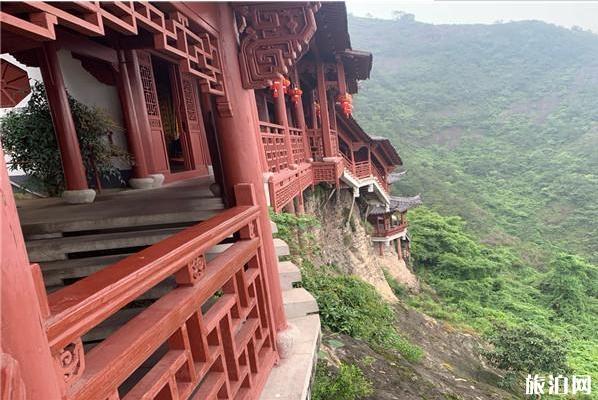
(170, 288)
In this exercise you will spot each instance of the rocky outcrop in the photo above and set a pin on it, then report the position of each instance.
(344, 242)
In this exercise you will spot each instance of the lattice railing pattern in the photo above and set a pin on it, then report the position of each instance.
(194, 44)
(285, 186)
(212, 334)
(328, 172)
(297, 145)
(334, 141)
(380, 177)
(275, 147)
(347, 163)
(314, 137)
(362, 169)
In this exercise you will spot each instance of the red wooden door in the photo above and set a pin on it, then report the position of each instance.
(158, 150)
(200, 155)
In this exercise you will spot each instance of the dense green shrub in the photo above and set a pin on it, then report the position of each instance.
(571, 286)
(351, 306)
(346, 383)
(526, 350)
(295, 230)
(28, 137)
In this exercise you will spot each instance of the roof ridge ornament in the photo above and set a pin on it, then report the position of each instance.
(273, 36)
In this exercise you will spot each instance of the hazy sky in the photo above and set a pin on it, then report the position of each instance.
(564, 13)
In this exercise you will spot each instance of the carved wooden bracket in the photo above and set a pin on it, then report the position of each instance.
(70, 362)
(273, 38)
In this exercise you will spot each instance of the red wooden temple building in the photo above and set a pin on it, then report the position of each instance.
(172, 290)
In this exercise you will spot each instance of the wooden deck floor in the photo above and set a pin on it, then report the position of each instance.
(177, 202)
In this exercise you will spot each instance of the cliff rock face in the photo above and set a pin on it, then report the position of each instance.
(344, 242)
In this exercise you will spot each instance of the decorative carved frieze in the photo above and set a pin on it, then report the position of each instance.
(273, 37)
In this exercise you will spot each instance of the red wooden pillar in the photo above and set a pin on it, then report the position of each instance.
(143, 123)
(324, 114)
(290, 207)
(400, 248)
(300, 204)
(131, 121)
(280, 108)
(64, 126)
(237, 136)
(370, 159)
(26, 360)
(301, 120)
(342, 82)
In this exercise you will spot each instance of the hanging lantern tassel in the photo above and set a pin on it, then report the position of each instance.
(295, 94)
(346, 103)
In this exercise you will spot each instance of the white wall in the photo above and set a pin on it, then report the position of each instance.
(88, 90)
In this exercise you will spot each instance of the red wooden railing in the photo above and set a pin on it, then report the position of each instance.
(275, 147)
(393, 230)
(297, 145)
(380, 177)
(286, 185)
(213, 334)
(316, 145)
(328, 172)
(362, 169)
(347, 163)
(334, 141)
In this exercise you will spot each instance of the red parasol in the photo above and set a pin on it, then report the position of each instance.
(14, 86)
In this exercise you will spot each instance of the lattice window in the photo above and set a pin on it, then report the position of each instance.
(189, 95)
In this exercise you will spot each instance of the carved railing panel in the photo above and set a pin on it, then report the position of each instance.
(328, 172)
(362, 169)
(275, 146)
(212, 334)
(273, 38)
(285, 186)
(298, 147)
(314, 138)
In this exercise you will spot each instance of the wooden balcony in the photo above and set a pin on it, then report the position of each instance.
(210, 333)
(386, 232)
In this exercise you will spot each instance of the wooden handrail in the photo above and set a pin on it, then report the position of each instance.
(392, 230)
(78, 308)
(123, 352)
(271, 125)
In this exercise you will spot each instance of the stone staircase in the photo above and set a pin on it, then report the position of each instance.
(291, 378)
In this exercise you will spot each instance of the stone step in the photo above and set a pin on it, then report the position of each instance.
(274, 227)
(282, 249)
(298, 367)
(289, 274)
(298, 302)
(58, 248)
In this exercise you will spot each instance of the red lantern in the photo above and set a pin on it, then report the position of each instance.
(275, 87)
(285, 85)
(295, 94)
(279, 85)
(346, 103)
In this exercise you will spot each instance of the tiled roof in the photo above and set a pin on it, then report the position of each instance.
(400, 204)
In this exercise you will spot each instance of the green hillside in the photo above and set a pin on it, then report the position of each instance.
(495, 123)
